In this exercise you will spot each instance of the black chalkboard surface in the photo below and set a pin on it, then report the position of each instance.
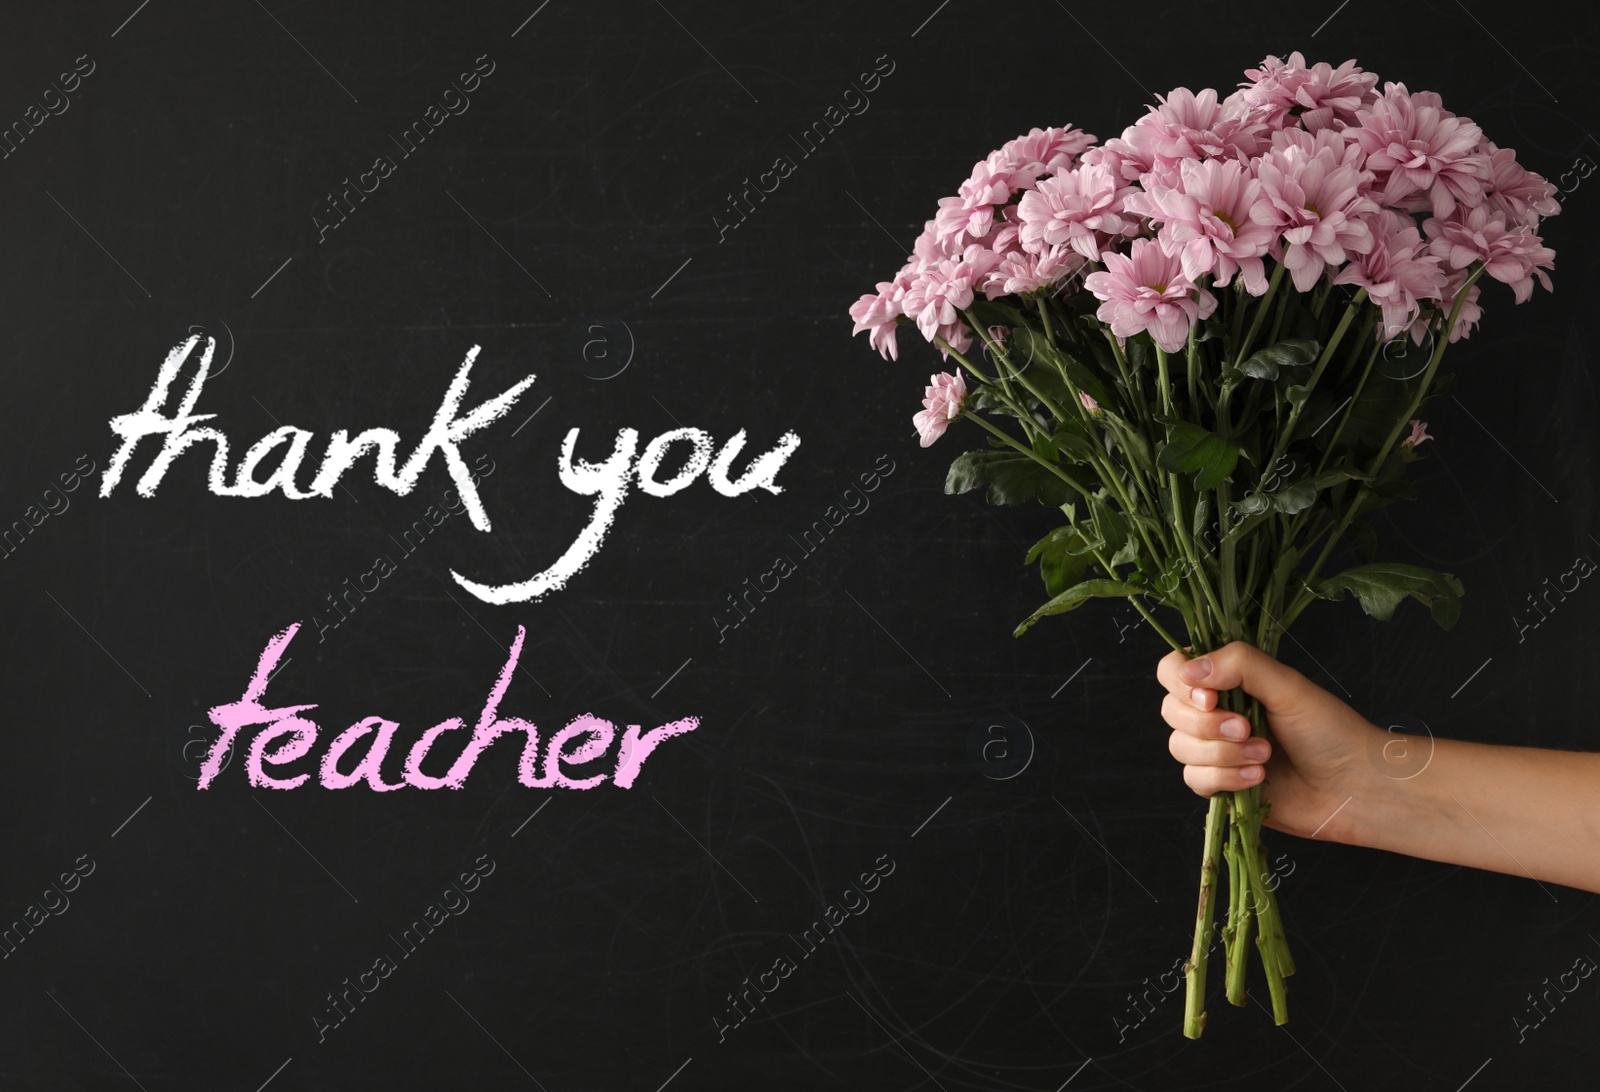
(816, 819)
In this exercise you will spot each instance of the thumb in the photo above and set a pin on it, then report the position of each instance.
(1280, 687)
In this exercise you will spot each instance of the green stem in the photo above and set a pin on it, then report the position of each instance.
(1135, 391)
(1181, 528)
(1029, 452)
(1287, 431)
(1002, 361)
(1239, 915)
(1350, 407)
(1114, 481)
(1306, 595)
(1005, 362)
(1194, 1000)
(1277, 320)
(1192, 366)
(1261, 313)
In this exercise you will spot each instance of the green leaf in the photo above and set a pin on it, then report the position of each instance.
(1082, 375)
(1133, 443)
(1191, 448)
(1265, 363)
(1243, 525)
(1141, 353)
(1380, 588)
(985, 399)
(1302, 494)
(1074, 446)
(1251, 504)
(1012, 478)
(1063, 559)
(1297, 394)
(1382, 402)
(1295, 498)
(1285, 564)
(1446, 610)
(1076, 596)
(1109, 523)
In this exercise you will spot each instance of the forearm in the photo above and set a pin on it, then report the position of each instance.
(1519, 810)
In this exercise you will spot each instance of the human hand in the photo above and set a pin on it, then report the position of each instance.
(1319, 747)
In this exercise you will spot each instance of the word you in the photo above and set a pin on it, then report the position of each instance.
(1561, 989)
(341, 1007)
(55, 503)
(608, 482)
(54, 900)
(832, 917)
(454, 100)
(854, 503)
(410, 540)
(1581, 566)
(54, 100)
(782, 167)
(569, 757)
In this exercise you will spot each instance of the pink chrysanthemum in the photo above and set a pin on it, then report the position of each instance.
(1337, 143)
(1184, 126)
(1317, 204)
(1146, 290)
(1081, 208)
(1207, 222)
(1320, 95)
(1041, 152)
(881, 313)
(1521, 194)
(971, 211)
(1421, 155)
(1467, 320)
(1021, 272)
(1398, 272)
(1511, 255)
(941, 404)
(938, 293)
(928, 251)
(1004, 235)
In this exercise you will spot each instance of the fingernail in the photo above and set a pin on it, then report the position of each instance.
(1255, 750)
(1195, 670)
(1235, 729)
(1250, 773)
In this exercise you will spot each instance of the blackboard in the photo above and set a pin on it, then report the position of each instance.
(886, 845)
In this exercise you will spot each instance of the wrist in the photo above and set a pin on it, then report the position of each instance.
(1386, 794)
(1401, 801)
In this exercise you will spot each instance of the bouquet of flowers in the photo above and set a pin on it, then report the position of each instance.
(1206, 343)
